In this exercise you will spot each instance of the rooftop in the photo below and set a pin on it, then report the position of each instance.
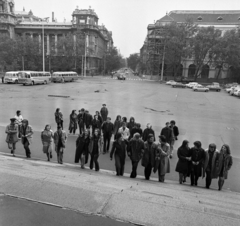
(85, 12)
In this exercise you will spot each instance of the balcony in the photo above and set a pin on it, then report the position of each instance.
(86, 26)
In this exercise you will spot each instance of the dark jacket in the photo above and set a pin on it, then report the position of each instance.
(82, 145)
(91, 144)
(175, 131)
(149, 155)
(107, 128)
(168, 133)
(117, 125)
(197, 155)
(146, 132)
(131, 124)
(104, 113)
(135, 149)
(220, 164)
(80, 118)
(183, 164)
(135, 130)
(96, 124)
(119, 149)
(88, 119)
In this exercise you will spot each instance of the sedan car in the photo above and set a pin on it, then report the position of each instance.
(200, 88)
(121, 77)
(170, 82)
(178, 84)
(214, 88)
(191, 84)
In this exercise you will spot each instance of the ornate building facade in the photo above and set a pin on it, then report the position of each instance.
(97, 38)
(222, 20)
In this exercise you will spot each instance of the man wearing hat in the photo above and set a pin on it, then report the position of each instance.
(104, 112)
(60, 139)
(12, 135)
(107, 129)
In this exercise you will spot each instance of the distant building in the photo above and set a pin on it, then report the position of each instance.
(23, 23)
(220, 19)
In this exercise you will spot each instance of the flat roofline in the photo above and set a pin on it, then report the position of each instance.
(205, 11)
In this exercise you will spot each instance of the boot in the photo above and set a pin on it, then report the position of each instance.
(82, 162)
(180, 178)
(58, 158)
(61, 157)
(48, 157)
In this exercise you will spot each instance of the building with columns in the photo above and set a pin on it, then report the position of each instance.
(97, 38)
(221, 19)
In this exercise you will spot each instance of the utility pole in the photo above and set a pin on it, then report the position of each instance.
(43, 48)
(163, 58)
(23, 63)
(85, 61)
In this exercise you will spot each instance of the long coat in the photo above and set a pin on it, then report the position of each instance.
(100, 144)
(220, 162)
(183, 164)
(135, 149)
(12, 133)
(197, 155)
(149, 155)
(63, 138)
(116, 126)
(162, 162)
(206, 161)
(119, 149)
(104, 113)
(82, 147)
(28, 133)
(146, 132)
(73, 121)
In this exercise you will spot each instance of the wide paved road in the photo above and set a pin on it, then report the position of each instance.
(208, 117)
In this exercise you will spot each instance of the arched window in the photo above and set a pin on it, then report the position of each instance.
(218, 71)
(219, 18)
(205, 71)
(199, 18)
(191, 70)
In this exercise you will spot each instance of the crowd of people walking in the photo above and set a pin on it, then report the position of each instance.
(95, 133)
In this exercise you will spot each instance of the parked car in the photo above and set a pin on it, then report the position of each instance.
(228, 90)
(191, 84)
(170, 82)
(178, 85)
(200, 88)
(235, 89)
(184, 80)
(229, 85)
(215, 87)
(121, 77)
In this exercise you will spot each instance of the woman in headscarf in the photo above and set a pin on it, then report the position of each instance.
(73, 122)
(117, 125)
(95, 148)
(59, 117)
(183, 161)
(222, 165)
(47, 141)
(26, 133)
(82, 150)
(119, 149)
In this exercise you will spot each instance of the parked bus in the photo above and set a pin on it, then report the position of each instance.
(11, 77)
(68, 76)
(34, 77)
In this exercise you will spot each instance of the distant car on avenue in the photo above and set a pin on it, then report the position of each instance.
(214, 86)
(200, 88)
(170, 82)
(178, 85)
(121, 77)
(191, 84)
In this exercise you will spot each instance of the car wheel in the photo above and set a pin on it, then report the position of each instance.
(206, 91)
(24, 84)
(16, 81)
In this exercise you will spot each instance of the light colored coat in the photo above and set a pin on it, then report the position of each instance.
(125, 133)
(63, 138)
(12, 133)
(28, 135)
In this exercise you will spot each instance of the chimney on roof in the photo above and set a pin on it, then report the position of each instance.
(23, 9)
(52, 16)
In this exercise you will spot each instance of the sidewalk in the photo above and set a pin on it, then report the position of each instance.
(130, 200)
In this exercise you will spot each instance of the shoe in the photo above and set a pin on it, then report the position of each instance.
(13, 155)
(82, 167)
(50, 155)
(170, 156)
(11, 151)
(104, 153)
(207, 187)
(195, 184)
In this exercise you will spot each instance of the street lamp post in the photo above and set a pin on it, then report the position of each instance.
(85, 58)
(43, 44)
(163, 58)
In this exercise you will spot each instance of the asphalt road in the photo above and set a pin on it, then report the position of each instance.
(209, 117)
(15, 212)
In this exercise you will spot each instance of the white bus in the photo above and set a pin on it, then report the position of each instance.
(68, 76)
(33, 77)
(11, 77)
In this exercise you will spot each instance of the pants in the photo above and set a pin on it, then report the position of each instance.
(208, 179)
(94, 159)
(171, 146)
(148, 171)
(12, 146)
(27, 149)
(134, 169)
(81, 127)
(106, 138)
(60, 156)
(73, 129)
(194, 176)
(220, 183)
(182, 178)
(119, 164)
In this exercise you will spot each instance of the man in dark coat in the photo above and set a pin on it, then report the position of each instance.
(197, 155)
(88, 119)
(135, 152)
(175, 135)
(148, 131)
(149, 155)
(168, 133)
(136, 129)
(107, 129)
(104, 112)
(80, 117)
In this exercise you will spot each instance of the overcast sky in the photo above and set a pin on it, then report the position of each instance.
(127, 19)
